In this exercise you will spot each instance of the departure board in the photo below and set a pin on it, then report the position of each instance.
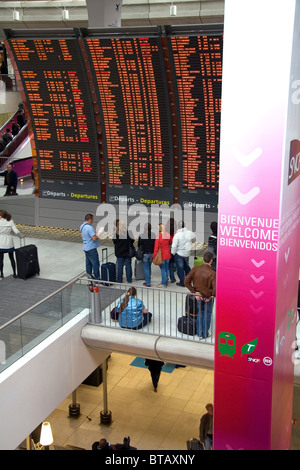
(58, 98)
(197, 72)
(133, 99)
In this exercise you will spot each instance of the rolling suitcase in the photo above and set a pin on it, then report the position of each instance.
(191, 306)
(187, 325)
(27, 261)
(194, 444)
(108, 269)
(139, 270)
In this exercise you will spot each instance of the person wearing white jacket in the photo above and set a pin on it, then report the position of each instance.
(181, 247)
(7, 230)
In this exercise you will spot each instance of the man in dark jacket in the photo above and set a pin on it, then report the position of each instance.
(155, 368)
(7, 137)
(206, 428)
(201, 281)
(123, 244)
(11, 180)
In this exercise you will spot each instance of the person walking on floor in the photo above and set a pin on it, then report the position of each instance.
(201, 280)
(181, 247)
(206, 428)
(162, 242)
(11, 180)
(155, 368)
(90, 245)
(146, 244)
(7, 229)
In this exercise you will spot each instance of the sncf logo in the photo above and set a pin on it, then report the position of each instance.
(294, 163)
(253, 359)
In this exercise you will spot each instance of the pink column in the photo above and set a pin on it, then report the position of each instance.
(259, 230)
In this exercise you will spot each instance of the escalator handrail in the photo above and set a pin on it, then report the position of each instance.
(14, 144)
(4, 127)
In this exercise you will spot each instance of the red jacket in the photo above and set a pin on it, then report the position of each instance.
(164, 240)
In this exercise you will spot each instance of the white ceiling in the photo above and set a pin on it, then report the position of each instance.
(36, 14)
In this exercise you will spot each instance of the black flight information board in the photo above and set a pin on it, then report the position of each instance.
(58, 98)
(125, 114)
(133, 100)
(197, 72)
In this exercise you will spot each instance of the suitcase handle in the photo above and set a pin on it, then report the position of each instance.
(22, 243)
(104, 251)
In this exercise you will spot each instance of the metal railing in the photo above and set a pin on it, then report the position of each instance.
(27, 330)
(97, 299)
(169, 314)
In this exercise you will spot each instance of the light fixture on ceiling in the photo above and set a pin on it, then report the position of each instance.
(65, 14)
(16, 15)
(173, 10)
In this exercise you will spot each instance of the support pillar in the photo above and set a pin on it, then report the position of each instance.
(74, 408)
(105, 414)
(258, 227)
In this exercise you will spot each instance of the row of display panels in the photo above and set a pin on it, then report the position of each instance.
(124, 113)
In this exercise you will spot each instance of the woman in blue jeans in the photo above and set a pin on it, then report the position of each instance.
(162, 242)
(146, 244)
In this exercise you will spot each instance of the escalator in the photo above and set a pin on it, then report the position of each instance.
(18, 150)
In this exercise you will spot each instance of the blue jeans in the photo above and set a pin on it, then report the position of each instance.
(203, 318)
(208, 443)
(92, 263)
(146, 319)
(171, 268)
(182, 266)
(147, 261)
(164, 269)
(128, 269)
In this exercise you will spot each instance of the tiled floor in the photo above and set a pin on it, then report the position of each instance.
(155, 421)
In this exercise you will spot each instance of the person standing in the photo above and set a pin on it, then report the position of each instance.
(7, 229)
(21, 120)
(155, 368)
(206, 428)
(201, 280)
(15, 128)
(123, 244)
(90, 245)
(181, 247)
(162, 241)
(7, 136)
(146, 244)
(213, 243)
(171, 229)
(11, 180)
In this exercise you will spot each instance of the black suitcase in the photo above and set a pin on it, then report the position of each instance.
(108, 269)
(194, 444)
(187, 325)
(191, 306)
(27, 261)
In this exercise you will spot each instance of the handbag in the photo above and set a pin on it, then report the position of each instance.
(132, 251)
(139, 254)
(158, 259)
